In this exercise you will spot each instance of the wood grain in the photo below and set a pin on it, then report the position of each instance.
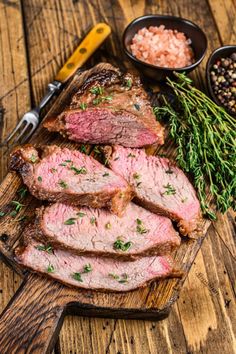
(85, 335)
(14, 88)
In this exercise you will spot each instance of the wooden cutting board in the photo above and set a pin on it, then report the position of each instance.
(33, 318)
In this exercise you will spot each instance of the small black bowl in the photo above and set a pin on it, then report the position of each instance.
(192, 31)
(222, 52)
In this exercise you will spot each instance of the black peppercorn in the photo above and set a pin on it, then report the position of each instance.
(223, 79)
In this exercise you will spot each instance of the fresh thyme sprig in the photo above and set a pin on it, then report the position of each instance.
(206, 142)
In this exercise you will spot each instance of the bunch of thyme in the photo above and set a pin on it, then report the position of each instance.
(205, 135)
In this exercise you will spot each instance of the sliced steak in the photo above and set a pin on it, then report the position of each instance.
(101, 233)
(159, 186)
(109, 108)
(60, 174)
(92, 272)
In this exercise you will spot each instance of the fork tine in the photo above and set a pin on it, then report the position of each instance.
(22, 131)
(28, 135)
(10, 136)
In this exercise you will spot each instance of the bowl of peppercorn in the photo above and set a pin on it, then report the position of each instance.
(221, 77)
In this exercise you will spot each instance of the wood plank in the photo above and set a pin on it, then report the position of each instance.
(206, 308)
(14, 88)
(224, 12)
(83, 326)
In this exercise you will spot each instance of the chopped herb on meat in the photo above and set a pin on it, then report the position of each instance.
(105, 174)
(170, 190)
(78, 171)
(129, 83)
(97, 90)
(33, 158)
(45, 248)
(87, 268)
(77, 276)
(63, 184)
(50, 268)
(131, 155)
(114, 276)
(83, 106)
(169, 171)
(121, 245)
(92, 220)
(80, 214)
(83, 149)
(121, 279)
(140, 227)
(70, 221)
(63, 164)
(40, 179)
(136, 175)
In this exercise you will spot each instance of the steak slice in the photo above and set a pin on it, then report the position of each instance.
(101, 233)
(159, 186)
(109, 108)
(60, 174)
(93, 272)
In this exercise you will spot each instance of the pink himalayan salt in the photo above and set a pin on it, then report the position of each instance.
(162, 47)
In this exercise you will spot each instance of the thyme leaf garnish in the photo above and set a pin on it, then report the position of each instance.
(80, 214)
(18, 206)
(129, 83)
(170, 190)
(33, 158)
(131, 155)
(121, 245)
(205, 135)
(97, 90)
(50, 268)
(82, 170)
(141, 229)
(70, 221)
(83, 106)
(83, 149)
(77, 276)
(123, 279)
(92, 220)
(105, 174)
(136, 175)
(22, 192)
(137, 106)
(45, 248)
(87, 268)
(63, 184)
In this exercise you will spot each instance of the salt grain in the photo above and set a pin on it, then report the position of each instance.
(162, 47)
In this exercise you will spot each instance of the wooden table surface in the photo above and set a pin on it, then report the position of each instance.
(36, 36)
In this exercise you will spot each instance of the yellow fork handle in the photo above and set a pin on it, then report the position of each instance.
(87, 47)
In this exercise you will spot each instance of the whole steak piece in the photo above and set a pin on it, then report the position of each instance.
(94, 273)
(61, 174)
(100, 233)
(109, 108)
(159, 186)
